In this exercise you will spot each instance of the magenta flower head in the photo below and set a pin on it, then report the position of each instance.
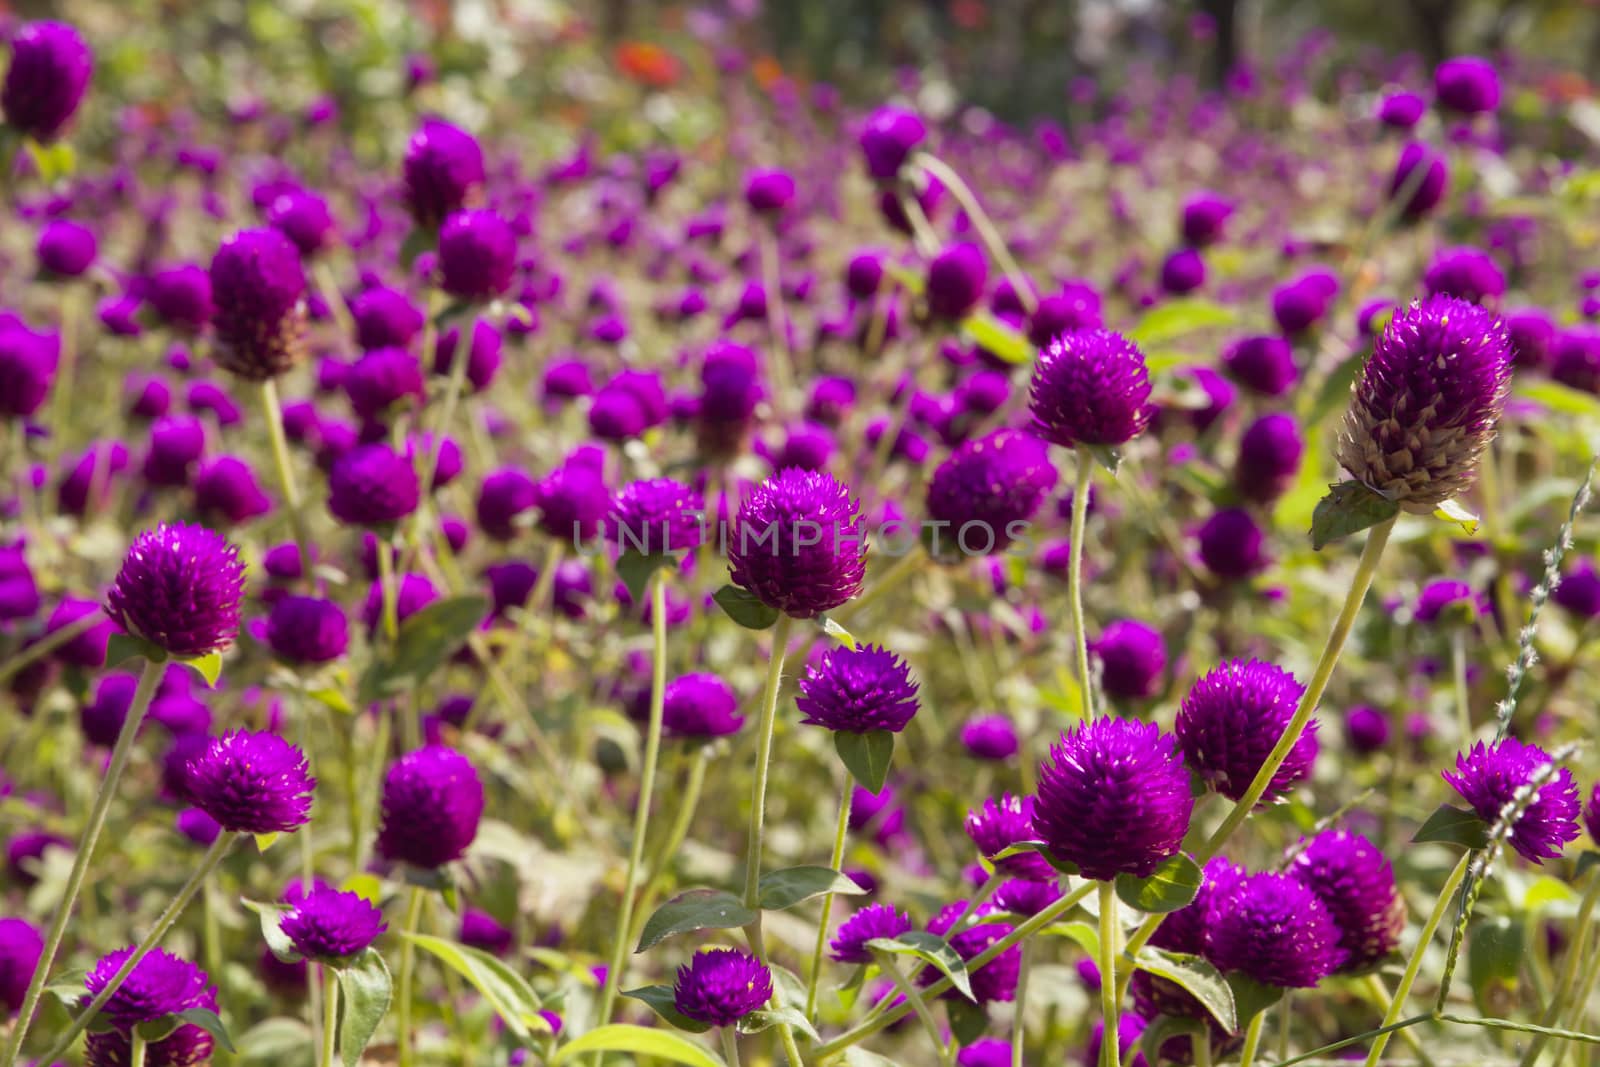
(1533, 337)
(161, 984)
(330, 926)
(1130, 1028)
(179, 588)
(1133, 659)
(27, 369)
(1466, 273)
(995, 980)
(1401, 110)
(1090, 387)
(477, 255)
(381, 380)
(1183, 271)
(1232, 545)
(990, 737)
(1275, 930)
(66, 249)
(956, 279)
(721, 986)
(1428, 403)
(889, 137)
(372, 486)
(505, 494)
(1263, 364)
(1591, 814)
(1356, 883)
(303, 217)
(797, 544)
(1269, 456)
(858, 691)
(305, 630)
(1113, 798)
(1468, 85)
(258, 290)
(50, 70)
(1203, 218)
(20, 948)
(849, 944)
(998, 825)
(432, 801)
(1231, 720)
(1578, 592)
(769, 191)
(1422, 170)
(989, 489)
(573, 501)
(700, 705)
(226, 488)
(443, 172)
(385, 318)
(1489, 777)
(252, 783)
(1448, 602)
(655, 516)
(1366, 729)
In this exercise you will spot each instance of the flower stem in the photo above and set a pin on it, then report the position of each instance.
(1578, 946)
(840, 832)
(913, 997)
(782, 361)
(680, 829)
(758, 794)
(272, 412)
(149, 678)
(330, 1015)
(1019, 1032)
(1252, 1039)
(898, 572)
(647, 784)
(408, 971)
(164, 921)
(1414, 964)
(1458, 670)
(730, 1046)
(968, 200)
(1110, 1038)
(1080, 513)
(391, 594)
(49, 643)
(136, 1054)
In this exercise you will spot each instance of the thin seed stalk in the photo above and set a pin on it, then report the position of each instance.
(968, 200)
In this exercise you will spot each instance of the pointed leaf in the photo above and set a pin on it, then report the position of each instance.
(426, 640)
(1250, 997)
(661, 1000)
(1106, 456)
(742, 607)
(838, 633)
(1455, 826)
(639, 1040)
(698, 909)
(636, 568)
(211, 1024)
(1172, 320)
(366, 989)
(968, 1021)
(1085, 935)
(931, 949)
(1349, 507)
(278, 1041)
(1164, 1028)
(208, 667)
(866, 756)
(767, 1018)
(1173, 885)
(265, 841)
(1495, 954)
(507, 992)
(121, 647)
(334, 699)
(1456, 512)
(1197, 976)
(271, 916)
(788, 887)
(999, 339)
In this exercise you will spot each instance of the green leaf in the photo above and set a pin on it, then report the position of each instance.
(788, 887)
(767, 1018)
(1173, 320)
(1085, 935)
(1454, 826)
(271, 916)
(418, 241)
(856, 1056)
(742, 607)
(265, 841)
(1495, 951)
(698, 909)
(1164, 1028)
(1456, 512)
(1335, 391)
(367, 886)
(1349, 507)
(366, 990)
(931, 949)
(999, 339)
(636, 568)
(639, 1040)
(507, 992)
(866, 756)
(121, 647)
(1558, 398)
(53, 161)
(1198, 977)
(427, 639)
(333, 699)
(1173, 885)
(153, 1030)
(69, 988)
(1105, 455)
(661, 1001)
(1586, 861)
(279, 1040)
(968, 1021)
(908, 279)
(208, 667)
(838, 633)
(1251, 998)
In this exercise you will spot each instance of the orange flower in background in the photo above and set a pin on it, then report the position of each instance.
(648, 64)
(767, 71)
(1567, 86)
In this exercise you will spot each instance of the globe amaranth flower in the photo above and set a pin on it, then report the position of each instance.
(252, 783)
(887, 140)
(858, 690)
(1203, 217)
(999, 824)
(385, 318)
(307, 630)
(1421, 177)
(573, 500)
(443, 172)
(989, 489)
(797, 544)
(986, 1052)
(1448, 602)
(1263, 364)
(179, 588)
(849, 944)
(1269, 457)
(372, 486)
(995, 980)
(181, 296)
(990, 737)
(20, 948)
(483, 353)
(50, 70)
(414, 593)
(258, 290)
(477, 255)
(721, 986)
(1591, 814)
(483, 931)
(1366, 729)
(1489, 777)
(503, 495)
(730, 391)
(1133, 659)
(700, 705)
(1232, 545)
(1090, 387)
(1428, 403)
(303, 217)
(956, 278)
(27, 369)
(1232, 719)
(1467, 84)
(1183, 271)
(1401, 110)
(328, 925)
(1027, 896)
(161, 984)
(101, 719)
(432, 801)
(1113, 798)
(1354, 880)
(656, 515)
(768, 191)
(1130, 1029)
(66, 249)
(225, 487)
(1465, 273)
(1274, 929)
(1578, 592)
(1533, 337)
(382, 379)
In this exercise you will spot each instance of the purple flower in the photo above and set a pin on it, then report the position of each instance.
(656, 515)
(477, 255)
(181, 297)
(505, 494)
(573, 501)
(989, 489)
(1263, 364)
(1203, 217)
(329, 925)
(50, 69)
(443, 172)
(258, 290)
(1449, 602)
(19, 593)
(20, 948)
(985, 1052)
(385, 318)
(995, 980)
(483, 355)
(1091, 388)
(1466, 84)
(956, 279)
(304, 218)
(1366, 729)
(888, 138)
(1113, 798)
(27, 369)
(1232, 719)
(768, 191)
(700, 706)
(1579, 591)
(381, 379)
(1591, 814)
(849, 944)
(1421, 169)
(1274, 929)
(1133, 659)
(1401, 110)
(66, 249)
(1231, 544)
(432, 801)
(1533, 336)
(998, 825)
(797, 544)
(990, 737)
(1027, 896)
(1130, 1028)
(1354, 880)
(415, 593)
(88, 649)
(161, 984)
(179, 588)
(306, 630)
(225, 487)
(858, 690)
(101, 718)
(1428, 403)
(1269, 457)
(252, 783)
(483, 931)
(1183, 271)
(372, 486)
(721, 986)
(1490, 777)
(1466, 273)
(1300, 304)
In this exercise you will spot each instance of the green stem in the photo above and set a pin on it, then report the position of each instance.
(840, 832)
(679, 830)
(272, 413)
(1414, 964)
(898, 572)
(391, 600)
(730, 1046)
(149, 678)
(1562, 995)
(647, 784)
(1580, 1004)
(1109, 950)
(163, 923)
(981, 221)
(758, 793)
(1345, 1042)
(1380, 996)
(1019, 1033)
(447, 414)
(408, 970)
(913, 998)
(1458, 670)
(49, 643)
(136, 1055)
(782, 362)
(330, 1015)
(1252, 1039)
(1080, 636)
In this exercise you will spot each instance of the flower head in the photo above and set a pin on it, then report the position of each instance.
(849, 944)
(1466, 273)
(225, 487)
(432, 801)
(477, 255)
(27, 369)
(990, 488)
(258, 290)
(382, 379)
(990, 737)
(1420, 169)
(1090, 387)
(50, 69)
(797, 544)
(1356, 883)
(252, 783)
(1262, 364)
(307, 630)
(573, 501)
(721, 986)
(1232, 545)
(768, 191)
(889, 137)
(1490, 777)
(656, 515)
(179, 588)
(1446, 601)
(1133, 659)
(160, 984)
(1275, 930)
(331, 925)
(1269, 457)
(303, 217)
(1366, 729)
(1591, 814)
(858, 690)
(443, 171)
(20, 948)
(956, 278)
(372, 485)
(1232, 719)
(385, 318)
(995, 980)
(998, 825)
(1203, 217)
(700, 705)
(1467, 84)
